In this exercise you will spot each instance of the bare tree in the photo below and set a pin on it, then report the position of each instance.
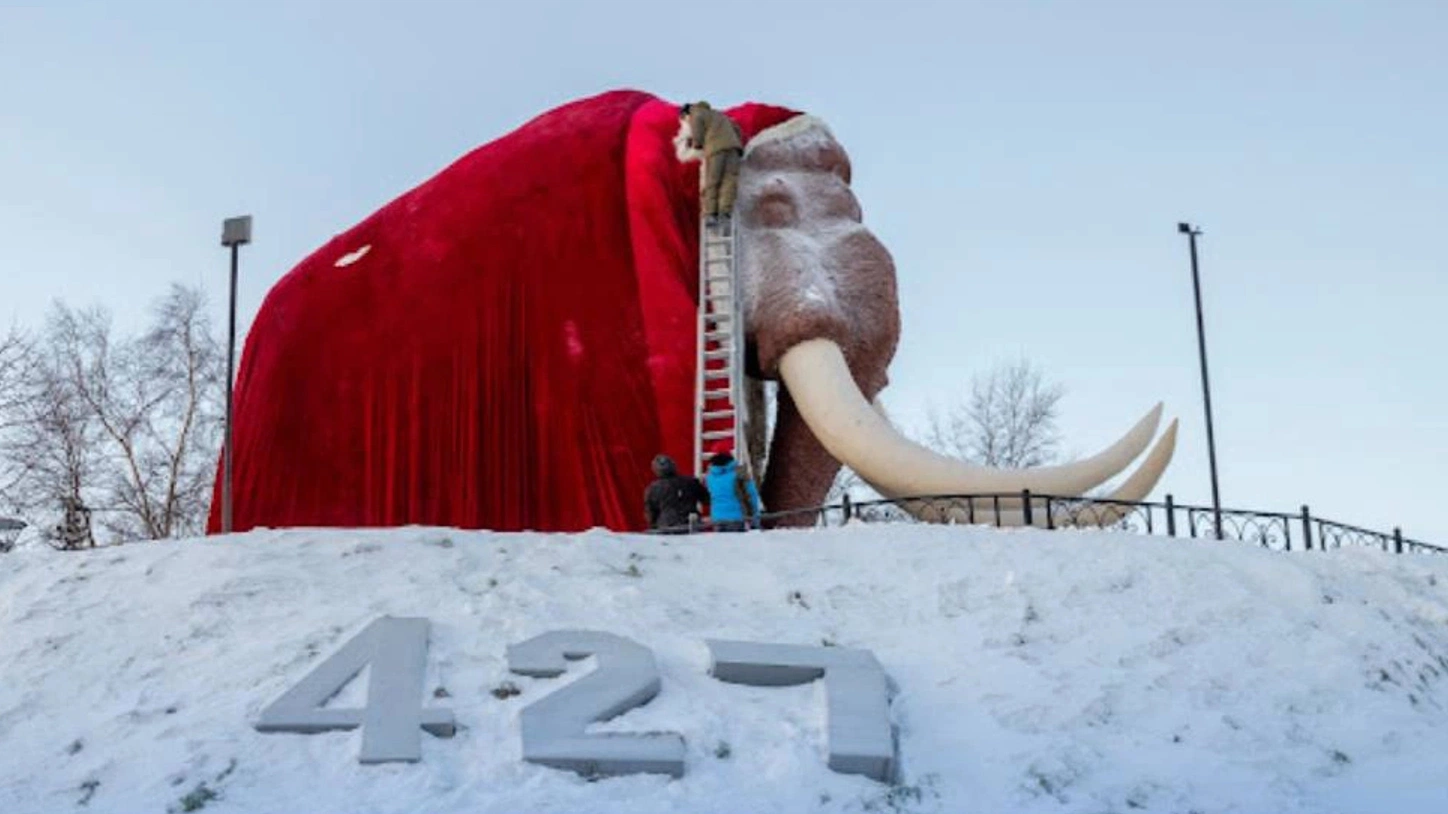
(17, 359)
(127, 428)
(49, 446)
(1009, 421)
(186, 356)
(16, 366)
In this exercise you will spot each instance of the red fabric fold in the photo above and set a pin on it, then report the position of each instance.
(509, 352)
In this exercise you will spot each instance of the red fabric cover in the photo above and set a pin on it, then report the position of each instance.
(510, 352)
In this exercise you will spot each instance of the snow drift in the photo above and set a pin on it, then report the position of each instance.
(1032, 671)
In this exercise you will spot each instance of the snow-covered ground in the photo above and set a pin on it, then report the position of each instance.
(1033, 671)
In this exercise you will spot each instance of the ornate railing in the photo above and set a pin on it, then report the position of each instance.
(1276, 530)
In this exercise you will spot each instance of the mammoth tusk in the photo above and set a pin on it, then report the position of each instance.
(1143, 480)
(1132, 490)
(853, 432)
(1099, 511)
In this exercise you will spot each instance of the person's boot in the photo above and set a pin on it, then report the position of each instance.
(711, 222)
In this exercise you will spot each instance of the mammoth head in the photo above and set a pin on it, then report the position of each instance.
(822, 318)
(810, 268)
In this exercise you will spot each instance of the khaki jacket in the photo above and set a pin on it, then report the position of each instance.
(712, 131)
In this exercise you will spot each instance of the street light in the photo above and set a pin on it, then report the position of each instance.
(235, 233)
(1192, 232)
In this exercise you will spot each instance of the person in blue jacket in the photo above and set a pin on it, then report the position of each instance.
(733, 498)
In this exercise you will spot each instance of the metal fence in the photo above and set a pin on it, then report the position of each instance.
(1284, 531)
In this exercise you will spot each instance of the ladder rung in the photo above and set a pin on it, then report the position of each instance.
(723, 353)
(718, 435)
(722, 373)
(715, 335)
(711, 415)
(717, 394)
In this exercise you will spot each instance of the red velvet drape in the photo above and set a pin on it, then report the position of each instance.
(510, 350)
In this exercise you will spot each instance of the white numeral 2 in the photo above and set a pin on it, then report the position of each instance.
(860, 738)
(396, 650)
(627, 677)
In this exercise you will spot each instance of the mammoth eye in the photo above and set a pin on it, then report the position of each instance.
(776, 208)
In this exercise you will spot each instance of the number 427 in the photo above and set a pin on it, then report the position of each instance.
(860, 739)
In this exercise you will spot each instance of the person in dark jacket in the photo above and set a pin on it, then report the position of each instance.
(672, 498)
(717, 136)
(733, 497)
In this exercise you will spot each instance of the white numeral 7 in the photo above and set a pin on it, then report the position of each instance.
(857, 696)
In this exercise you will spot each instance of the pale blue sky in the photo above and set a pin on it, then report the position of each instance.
(1025, 162)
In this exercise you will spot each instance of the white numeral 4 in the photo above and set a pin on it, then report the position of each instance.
(396, 650)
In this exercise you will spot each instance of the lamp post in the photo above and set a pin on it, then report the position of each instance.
(235, 233)
(1192, 233)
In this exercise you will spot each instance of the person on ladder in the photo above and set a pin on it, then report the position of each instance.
(716, 137)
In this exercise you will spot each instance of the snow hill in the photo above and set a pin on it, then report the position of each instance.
(1032, 671)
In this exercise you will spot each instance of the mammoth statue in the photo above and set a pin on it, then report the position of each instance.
(508, 344)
